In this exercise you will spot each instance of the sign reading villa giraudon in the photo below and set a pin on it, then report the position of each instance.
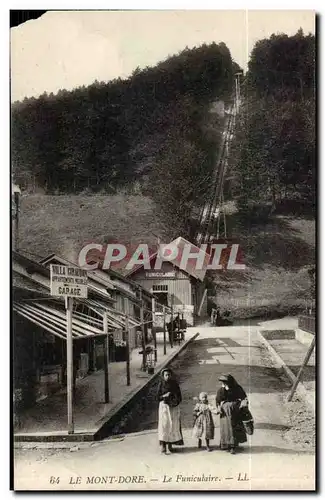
(68, 281)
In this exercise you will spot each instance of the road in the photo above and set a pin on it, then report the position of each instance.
(267, 462)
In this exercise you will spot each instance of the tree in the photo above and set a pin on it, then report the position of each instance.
(91, 136)
(274, 155)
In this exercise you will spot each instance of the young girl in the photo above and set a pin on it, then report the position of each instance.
(203, 423)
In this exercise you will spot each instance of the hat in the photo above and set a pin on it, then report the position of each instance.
(228, 379)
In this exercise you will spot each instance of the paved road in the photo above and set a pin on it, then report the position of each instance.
(269, 462)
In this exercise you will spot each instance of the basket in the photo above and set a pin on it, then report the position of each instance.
(249, 426)
(248, 421)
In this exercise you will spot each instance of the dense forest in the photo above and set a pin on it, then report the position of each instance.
(274, 154)
(148, 130)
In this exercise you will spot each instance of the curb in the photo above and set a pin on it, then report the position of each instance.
(281, 365)
(108, 421)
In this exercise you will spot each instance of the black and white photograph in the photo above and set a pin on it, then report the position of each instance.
(163, 250)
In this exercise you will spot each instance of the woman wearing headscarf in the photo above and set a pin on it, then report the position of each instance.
(230, 398)
(169, 417)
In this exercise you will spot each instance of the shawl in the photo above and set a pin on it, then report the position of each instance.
(234, 393)
(172, 387)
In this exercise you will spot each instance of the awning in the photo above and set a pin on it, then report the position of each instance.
(159, 308)
(115, 318)
(55, 321)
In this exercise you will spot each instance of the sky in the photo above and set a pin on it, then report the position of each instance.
(67, 49)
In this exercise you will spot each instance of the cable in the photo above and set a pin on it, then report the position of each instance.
(222, 168)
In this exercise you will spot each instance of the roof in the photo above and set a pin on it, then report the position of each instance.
(190, 268)
(102, 282)
(110, 276)
(31, 266)
(125, 279)
(51, 316)
(32, 301)
(96, 284)
(26, 287)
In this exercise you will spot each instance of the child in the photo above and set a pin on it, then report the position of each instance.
(203, 423)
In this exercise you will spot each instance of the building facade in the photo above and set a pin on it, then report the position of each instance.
(182, 290)
(39, 327)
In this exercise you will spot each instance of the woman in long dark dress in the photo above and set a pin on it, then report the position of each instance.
(169, 417)
(230, 398)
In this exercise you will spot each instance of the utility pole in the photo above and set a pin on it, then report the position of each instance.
(172, 322)
(153, 327)
(69, 309)
(15, 194)
(304, 364)
(106, 358)
(143, 334)
(164, 312)
(127, 338)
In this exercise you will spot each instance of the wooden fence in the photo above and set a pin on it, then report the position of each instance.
(307, 323)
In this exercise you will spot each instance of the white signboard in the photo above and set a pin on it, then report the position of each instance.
(68, 281)
(157, 274)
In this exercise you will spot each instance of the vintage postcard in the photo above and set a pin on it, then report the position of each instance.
(163, 250)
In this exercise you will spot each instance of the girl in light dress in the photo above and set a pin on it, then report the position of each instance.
(203, 421)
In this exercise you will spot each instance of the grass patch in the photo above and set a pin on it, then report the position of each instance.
(64, 224)
(278, 255)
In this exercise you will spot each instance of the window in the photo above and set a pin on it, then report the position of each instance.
(160, 288)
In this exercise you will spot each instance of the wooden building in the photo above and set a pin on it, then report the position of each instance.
(124, 293)
(39, 326)
(182, 289)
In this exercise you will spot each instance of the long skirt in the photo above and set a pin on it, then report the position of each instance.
(169, 424)
(232, 430)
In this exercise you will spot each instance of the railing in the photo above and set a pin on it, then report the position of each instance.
(307, 323)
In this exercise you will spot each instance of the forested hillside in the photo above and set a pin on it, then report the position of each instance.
(273, 181)
(274, 155)
(144, 134)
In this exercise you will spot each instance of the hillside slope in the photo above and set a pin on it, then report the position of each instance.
(64, 224)
(277, 254)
